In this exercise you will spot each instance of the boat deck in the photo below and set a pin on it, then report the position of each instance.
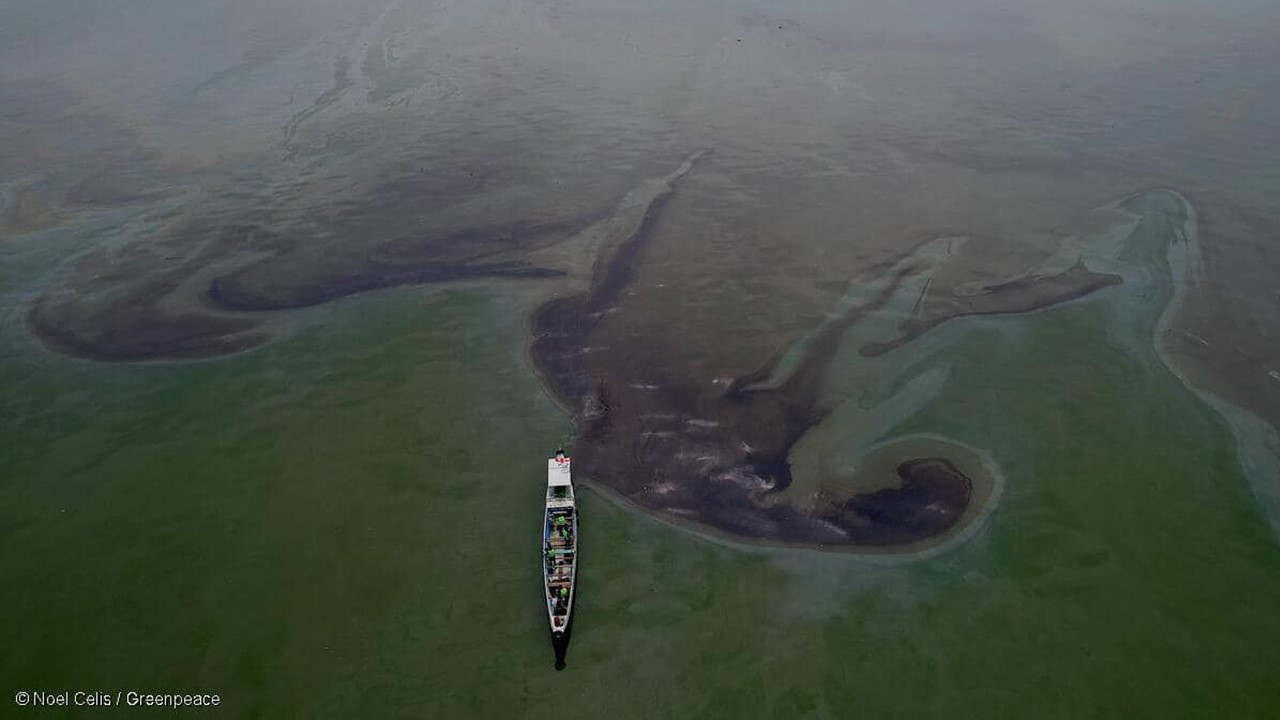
(559, 544)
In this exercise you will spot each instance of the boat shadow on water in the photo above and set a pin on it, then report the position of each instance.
(560, 643)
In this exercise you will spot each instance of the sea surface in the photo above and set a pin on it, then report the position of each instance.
(252, 443)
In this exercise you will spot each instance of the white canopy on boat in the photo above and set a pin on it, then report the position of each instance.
(558, 473)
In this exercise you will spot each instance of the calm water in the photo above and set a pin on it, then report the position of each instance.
(341, 523)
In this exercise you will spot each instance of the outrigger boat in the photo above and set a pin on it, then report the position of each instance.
(559, 544)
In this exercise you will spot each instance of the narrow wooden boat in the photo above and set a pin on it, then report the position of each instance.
(559, 544)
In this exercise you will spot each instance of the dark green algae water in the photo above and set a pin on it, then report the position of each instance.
(343, 525)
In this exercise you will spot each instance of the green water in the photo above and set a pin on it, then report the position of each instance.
(343, 525)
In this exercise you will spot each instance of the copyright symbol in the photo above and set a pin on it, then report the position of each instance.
(22, 698)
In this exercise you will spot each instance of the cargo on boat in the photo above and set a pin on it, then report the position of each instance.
(559, 544)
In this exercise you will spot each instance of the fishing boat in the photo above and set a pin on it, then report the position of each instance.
(559, 544)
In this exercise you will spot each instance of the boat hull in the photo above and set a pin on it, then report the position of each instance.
(559, 547)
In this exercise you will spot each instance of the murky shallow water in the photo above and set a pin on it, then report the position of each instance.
(334, 523)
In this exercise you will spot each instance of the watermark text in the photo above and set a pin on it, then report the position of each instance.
(116, 698)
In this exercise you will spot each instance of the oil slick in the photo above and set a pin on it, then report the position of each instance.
(788, 454)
